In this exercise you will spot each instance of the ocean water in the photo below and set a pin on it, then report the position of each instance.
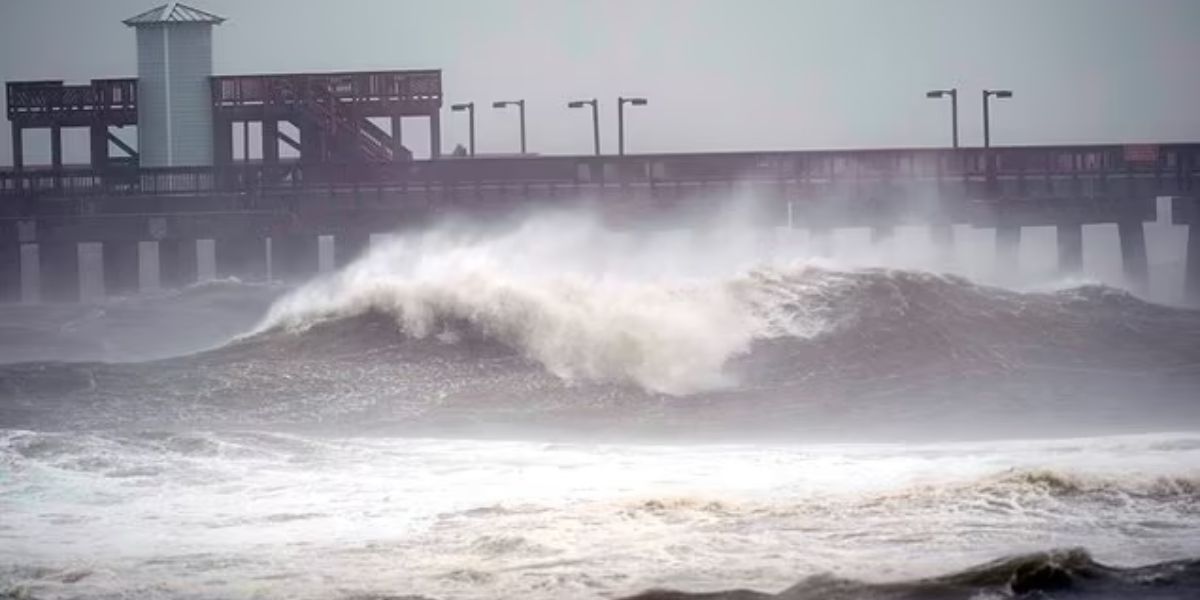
(556, 411)
(248, 513)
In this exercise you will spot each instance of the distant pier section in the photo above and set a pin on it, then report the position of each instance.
(333, 167)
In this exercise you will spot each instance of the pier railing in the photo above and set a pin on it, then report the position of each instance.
(404, 87)
(43, 103)
(1005, 171)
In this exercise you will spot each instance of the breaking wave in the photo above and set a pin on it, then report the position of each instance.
(679, 336)
(556, 324)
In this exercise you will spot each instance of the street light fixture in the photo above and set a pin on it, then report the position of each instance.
(621, 102)
(520, 104)
(595, 119)
(987, 135)
(953, 93)
(470, 108)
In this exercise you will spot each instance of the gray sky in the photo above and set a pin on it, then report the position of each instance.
(720, 74)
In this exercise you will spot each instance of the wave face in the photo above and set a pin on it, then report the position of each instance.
(557, 323)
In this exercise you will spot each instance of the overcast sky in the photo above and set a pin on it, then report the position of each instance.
(719, 74)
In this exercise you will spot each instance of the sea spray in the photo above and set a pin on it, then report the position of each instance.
(545, 289)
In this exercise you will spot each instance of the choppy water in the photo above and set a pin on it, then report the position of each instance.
(523, 415)
(235, 514)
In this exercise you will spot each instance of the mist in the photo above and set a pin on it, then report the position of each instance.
(324, 366)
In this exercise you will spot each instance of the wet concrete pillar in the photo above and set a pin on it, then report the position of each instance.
(349, 246)
(122, 270)
(58, 269)
(294, 257)
(242, 257)
(941, 235)
(178, 265)
(1070, 248)
(1133, 254)
(820, 241)
(766, 245)
(1192, 278)
(1008, 250)
(881, 234)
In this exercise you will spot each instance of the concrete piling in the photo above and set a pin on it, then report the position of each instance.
(121, 268)
(59, 271)
(177, 262)
(1070, 249)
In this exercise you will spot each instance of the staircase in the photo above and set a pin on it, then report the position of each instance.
(354, 139)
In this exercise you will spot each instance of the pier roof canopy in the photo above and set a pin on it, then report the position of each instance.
(173, 12)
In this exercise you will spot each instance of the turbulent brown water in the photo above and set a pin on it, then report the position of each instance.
(495, 418)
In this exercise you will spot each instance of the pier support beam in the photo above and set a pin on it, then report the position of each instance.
(294, 257)
(349, 246)
(121, 268)
(270, 141)
(56, 157)
(58, 270)
(178, 264)
(397, 138)
(1008, 251)
(1133, 254)
(18, 148)
(243, 257)
(1070, 248)
(310, 141)
(222, 142)
(435, 136)
(98, 141)
(1192, 278)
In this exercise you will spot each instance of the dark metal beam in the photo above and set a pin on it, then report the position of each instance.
(118, 142)
(18, 148)
(270, 140)
(287, 139)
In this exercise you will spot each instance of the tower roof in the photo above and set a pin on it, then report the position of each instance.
(173, 12)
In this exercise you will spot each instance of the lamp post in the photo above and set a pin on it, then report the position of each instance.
(953, 93)
(470, 108)
(595, 119)
(987, 94)
(621, 102)
(520, 104)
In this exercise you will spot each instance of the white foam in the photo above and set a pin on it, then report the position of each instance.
(242, 515)
(586, 303)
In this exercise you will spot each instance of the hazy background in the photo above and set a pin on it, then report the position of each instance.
(720, 74)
